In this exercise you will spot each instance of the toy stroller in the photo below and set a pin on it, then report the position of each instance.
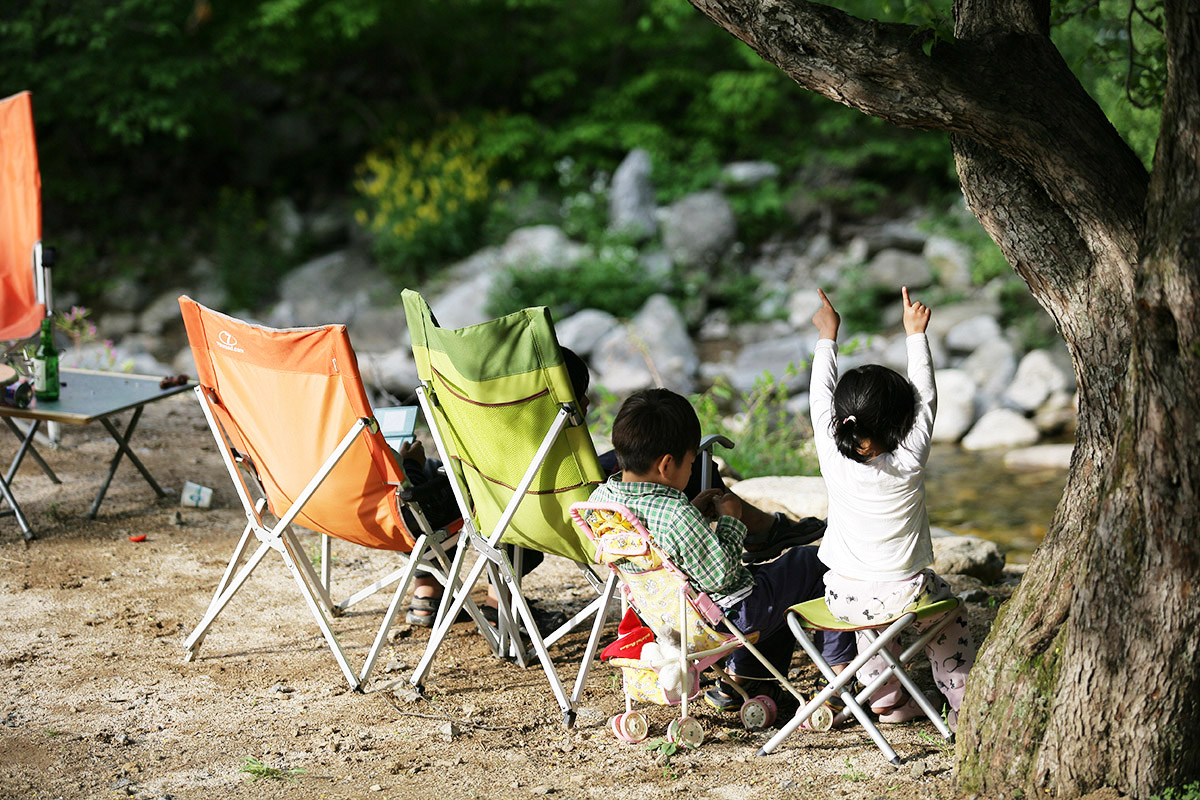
(661, 661)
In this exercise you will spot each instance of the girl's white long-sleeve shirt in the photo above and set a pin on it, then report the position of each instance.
(878, 526)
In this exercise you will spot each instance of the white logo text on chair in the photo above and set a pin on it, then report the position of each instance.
(227, 341)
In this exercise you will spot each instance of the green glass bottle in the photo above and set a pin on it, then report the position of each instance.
(45, 365)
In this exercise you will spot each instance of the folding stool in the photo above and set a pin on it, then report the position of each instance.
(815, 615)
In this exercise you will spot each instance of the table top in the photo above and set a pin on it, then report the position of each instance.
(86, 395)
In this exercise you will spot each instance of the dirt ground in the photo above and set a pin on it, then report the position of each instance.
(99, 702)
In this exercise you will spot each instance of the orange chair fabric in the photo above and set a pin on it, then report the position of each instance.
(20, 219)
(286, 398)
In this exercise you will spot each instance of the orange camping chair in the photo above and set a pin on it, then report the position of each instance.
(24, 279)
(289, 407)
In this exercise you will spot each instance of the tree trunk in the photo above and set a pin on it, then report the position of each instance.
(1090, 675)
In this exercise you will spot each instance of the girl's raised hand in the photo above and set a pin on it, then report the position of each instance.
(827, 318)
(916, 315)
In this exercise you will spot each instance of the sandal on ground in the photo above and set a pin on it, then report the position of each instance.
(427, 605)
(783, 534)
(903, 712)
(724, 697)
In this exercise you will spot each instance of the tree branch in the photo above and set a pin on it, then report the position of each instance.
(1001, 84)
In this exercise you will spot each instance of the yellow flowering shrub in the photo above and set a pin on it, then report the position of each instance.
(424, 200)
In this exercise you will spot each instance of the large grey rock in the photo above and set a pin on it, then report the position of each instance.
(653, 349)
(946, 317)
(162, 316)
(332, 288)
(468, 284)
(125, 294)
(774, 356)
(749, 173)
(582, 331)
(796, 496)
(951, 261)
(894, 235)
(285, 225)
(1059, 413)
(1037, 378)
(956, 405)
(991, 367)
(698, 229)
(379, 329)
(183, 363)
(394, 371)
(115, 324)
(540, 245)
(1000, 427)
(895, 353)
(966, 555)
(970, 334)
(890, 269)
(1043, 456)
(631, 197)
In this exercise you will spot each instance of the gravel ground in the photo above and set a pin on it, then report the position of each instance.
(99, 702)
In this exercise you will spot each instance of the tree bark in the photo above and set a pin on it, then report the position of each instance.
(1089, 676)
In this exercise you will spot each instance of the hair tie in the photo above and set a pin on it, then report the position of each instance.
(849, 419)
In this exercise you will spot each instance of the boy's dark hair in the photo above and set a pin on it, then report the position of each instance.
(577, 369)
(872, 402)
(653, 423)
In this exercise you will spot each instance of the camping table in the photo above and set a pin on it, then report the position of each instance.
(85, 397)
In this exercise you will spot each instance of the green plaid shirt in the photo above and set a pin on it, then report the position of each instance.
(712, 559)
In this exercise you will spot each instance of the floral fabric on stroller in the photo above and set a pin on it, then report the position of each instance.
(662, 659)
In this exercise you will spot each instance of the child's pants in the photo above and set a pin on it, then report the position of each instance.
(951, 654)
(792, 578)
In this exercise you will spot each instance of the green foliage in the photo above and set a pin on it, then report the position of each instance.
(769, 440)
(259, 771)
(1189, 792)
(612, 280)
(761, 210)
(424, 199)
(144, 108)
(853, 773)
(248, 265)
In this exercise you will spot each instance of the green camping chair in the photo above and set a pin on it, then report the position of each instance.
(502, 411)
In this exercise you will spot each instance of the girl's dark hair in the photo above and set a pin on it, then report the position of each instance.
(577, 369)
(653, 423)
(872, 402)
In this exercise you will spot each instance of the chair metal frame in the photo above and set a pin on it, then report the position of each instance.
(427, 553)
(506, 640)
(802, 618)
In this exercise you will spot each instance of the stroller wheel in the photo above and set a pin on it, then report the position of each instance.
(772, 708)
(635, 726)
(821, 719)
(630, 727)
(686, 731)
(756, 714)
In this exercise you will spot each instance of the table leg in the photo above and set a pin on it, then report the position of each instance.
(123, 450)
(27, 446)
(7, 494)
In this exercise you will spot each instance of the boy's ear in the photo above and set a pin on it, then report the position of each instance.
(661, 464)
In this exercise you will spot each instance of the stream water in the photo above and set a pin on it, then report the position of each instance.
(975, 493)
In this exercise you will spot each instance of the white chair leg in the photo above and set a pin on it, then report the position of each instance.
(218, 603)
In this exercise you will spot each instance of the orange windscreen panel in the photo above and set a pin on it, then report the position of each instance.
(286, 398)
(20, 218)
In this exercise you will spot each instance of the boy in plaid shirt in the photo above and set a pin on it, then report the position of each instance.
(656, 434)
